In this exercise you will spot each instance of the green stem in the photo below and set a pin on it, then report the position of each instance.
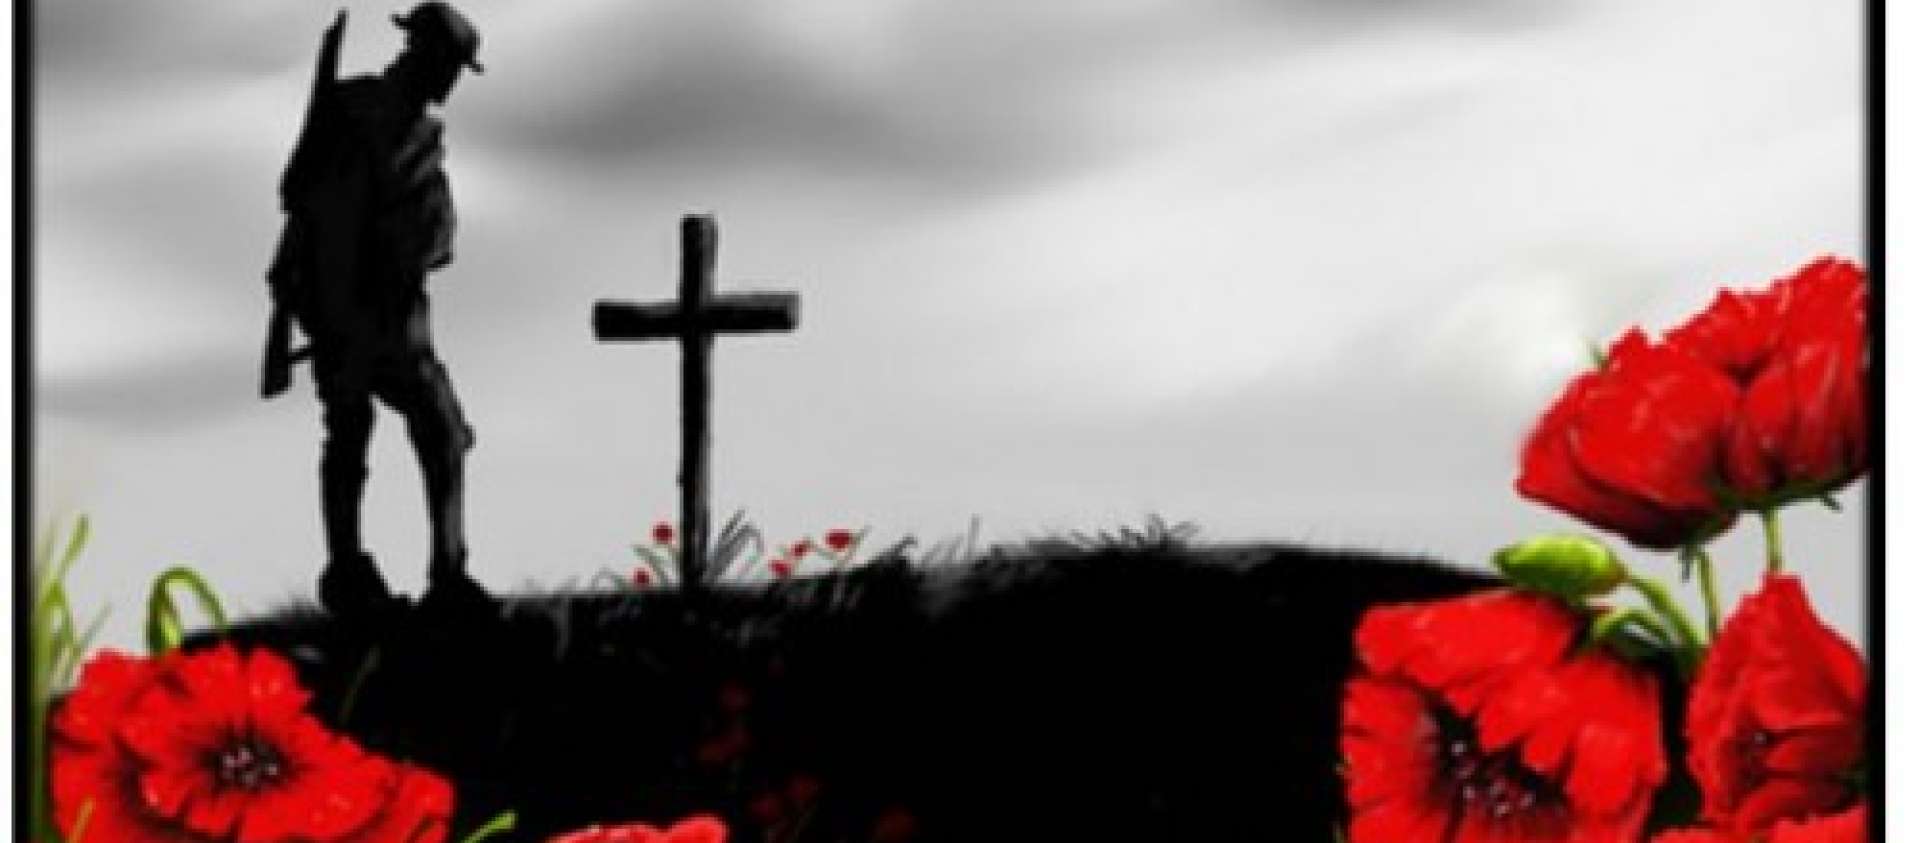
(367, 666)
(1709, 588)
(1640, 618)
(1605, 629)
(1776, 559)
(40, 678)
(1692, 643)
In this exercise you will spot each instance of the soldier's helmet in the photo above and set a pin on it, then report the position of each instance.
(439, 24)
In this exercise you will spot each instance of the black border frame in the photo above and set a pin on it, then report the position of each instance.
(1874, 148)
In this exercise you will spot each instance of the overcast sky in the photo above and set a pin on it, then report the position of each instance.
(1291, 269)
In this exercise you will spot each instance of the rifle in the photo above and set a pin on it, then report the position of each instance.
(285, 273)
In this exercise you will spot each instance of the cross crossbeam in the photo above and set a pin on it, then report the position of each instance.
(694, 320)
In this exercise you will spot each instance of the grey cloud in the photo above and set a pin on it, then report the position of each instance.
(104, 44)
(157, 394)
(1003, 218)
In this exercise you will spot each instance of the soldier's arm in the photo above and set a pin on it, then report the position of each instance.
(337, 211)
(420, 222)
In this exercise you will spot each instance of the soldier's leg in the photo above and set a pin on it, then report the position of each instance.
(347, 418)
(350, 583)
(423, 395)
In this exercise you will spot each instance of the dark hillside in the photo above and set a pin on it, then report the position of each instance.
(1060, 691)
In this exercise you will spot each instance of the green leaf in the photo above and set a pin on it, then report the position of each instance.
(63, 672)
(82, 529)
(165, 629)
(1608, 624)
(653, 557)
(43, 554)
(609, 579)
(164, 632)
(82, 532)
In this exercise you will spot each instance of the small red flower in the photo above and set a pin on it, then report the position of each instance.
(734, 697)
(895, 825)
(1635, 446)
(768, 809)
(1775, 724)
(701, 828)
(725, 747)
(642, 577)
(663, 533)
(215, 746)
(1483, 718)
(802, 789)
(800, 548)
(782, 568)
(839, 540)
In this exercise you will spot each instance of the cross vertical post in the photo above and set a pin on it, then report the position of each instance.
(699, 244)
(694, 319)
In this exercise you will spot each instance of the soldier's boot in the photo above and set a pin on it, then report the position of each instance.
(351, 587)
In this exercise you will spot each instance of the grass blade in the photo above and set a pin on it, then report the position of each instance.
(501, 823)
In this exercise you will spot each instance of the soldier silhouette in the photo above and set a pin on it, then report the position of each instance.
(368, 215)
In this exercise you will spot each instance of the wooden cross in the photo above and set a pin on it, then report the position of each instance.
(694, 320)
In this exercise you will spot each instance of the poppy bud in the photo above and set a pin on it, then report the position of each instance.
(1569, 567)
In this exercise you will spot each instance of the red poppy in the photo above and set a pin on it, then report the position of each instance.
(1797, 352)
(800, 548)
(663, 533)
(839, 540)
(1740, 332)
(215, 746)
(1848, 826)
(1696, 835)
(1483, 718)
(1635, 446)
(1737, 333)
(782, 568)
(642, 577)
(417, 812)
(696, 829)
(1802, 422)
(1775, 723)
